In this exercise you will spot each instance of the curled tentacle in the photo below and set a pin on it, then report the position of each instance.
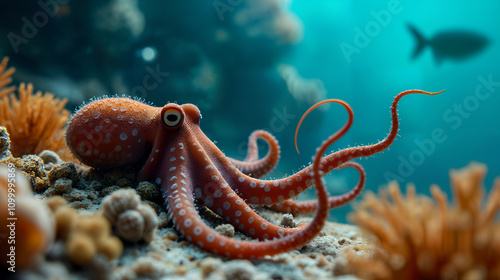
(307, 207)
(252, 165)
(267, 192)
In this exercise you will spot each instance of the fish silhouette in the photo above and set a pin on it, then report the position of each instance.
(453, 44)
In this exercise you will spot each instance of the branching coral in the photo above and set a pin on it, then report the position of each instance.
(133, 219)
(5, 78)
(423, 239)
(31, 231)
(34, 121)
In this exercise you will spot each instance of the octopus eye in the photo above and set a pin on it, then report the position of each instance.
(172, 117)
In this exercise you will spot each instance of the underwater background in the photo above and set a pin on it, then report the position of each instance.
(261, 64)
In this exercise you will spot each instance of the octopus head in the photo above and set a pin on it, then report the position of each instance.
(118, 131)
(112, 132)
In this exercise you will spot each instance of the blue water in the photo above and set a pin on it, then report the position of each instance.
(368, 80)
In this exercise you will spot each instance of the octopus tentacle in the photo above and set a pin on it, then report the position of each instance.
(180, 205)
(307, 207)
(267, 192)
(120, 131)
(214, 192)
(252, 165)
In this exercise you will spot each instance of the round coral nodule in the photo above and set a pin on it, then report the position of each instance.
(119, 201)
(64, 221)
(98, 228)
(130, 225)
(150, 221)
(55, 202)
(80, 249)
(111, 247)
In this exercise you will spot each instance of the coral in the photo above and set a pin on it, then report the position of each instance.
(34, 121)
(4, 143)
(240, 270)
(50, 159)
(91, 235)
(308, 91)
(418, 238)
(226, 230)
(133, 219)
(151, 221)
(80, 249)
(149, 191)
(64, 170)
(270, 19)
(33, 229)
(55, 202)
(65, 217)
(84, 235)
(31, 166)
(287, 221)
(61, 186)
(119, 201)
(80, 199)
(143, 268)
(115, 26)
(130, 225)
(5, 78)
(164, 221)
(46, 172)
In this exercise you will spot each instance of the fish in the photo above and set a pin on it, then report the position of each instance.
(452, 45)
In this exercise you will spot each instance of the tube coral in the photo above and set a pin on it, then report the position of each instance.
(423, 239)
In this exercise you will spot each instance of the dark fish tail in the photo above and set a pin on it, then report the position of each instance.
(421, 41)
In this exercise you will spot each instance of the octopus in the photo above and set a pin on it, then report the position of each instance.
(171, 150)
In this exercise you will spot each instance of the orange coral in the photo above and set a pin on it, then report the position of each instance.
(34, 121)
(5, 78)
(419, 238)
(84, 235)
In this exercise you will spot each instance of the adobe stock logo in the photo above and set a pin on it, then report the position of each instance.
(39, 20)
(221, 7)
(279, 121)
(454, 116)
(150, 81)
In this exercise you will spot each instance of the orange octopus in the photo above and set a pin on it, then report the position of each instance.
(175, 153)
